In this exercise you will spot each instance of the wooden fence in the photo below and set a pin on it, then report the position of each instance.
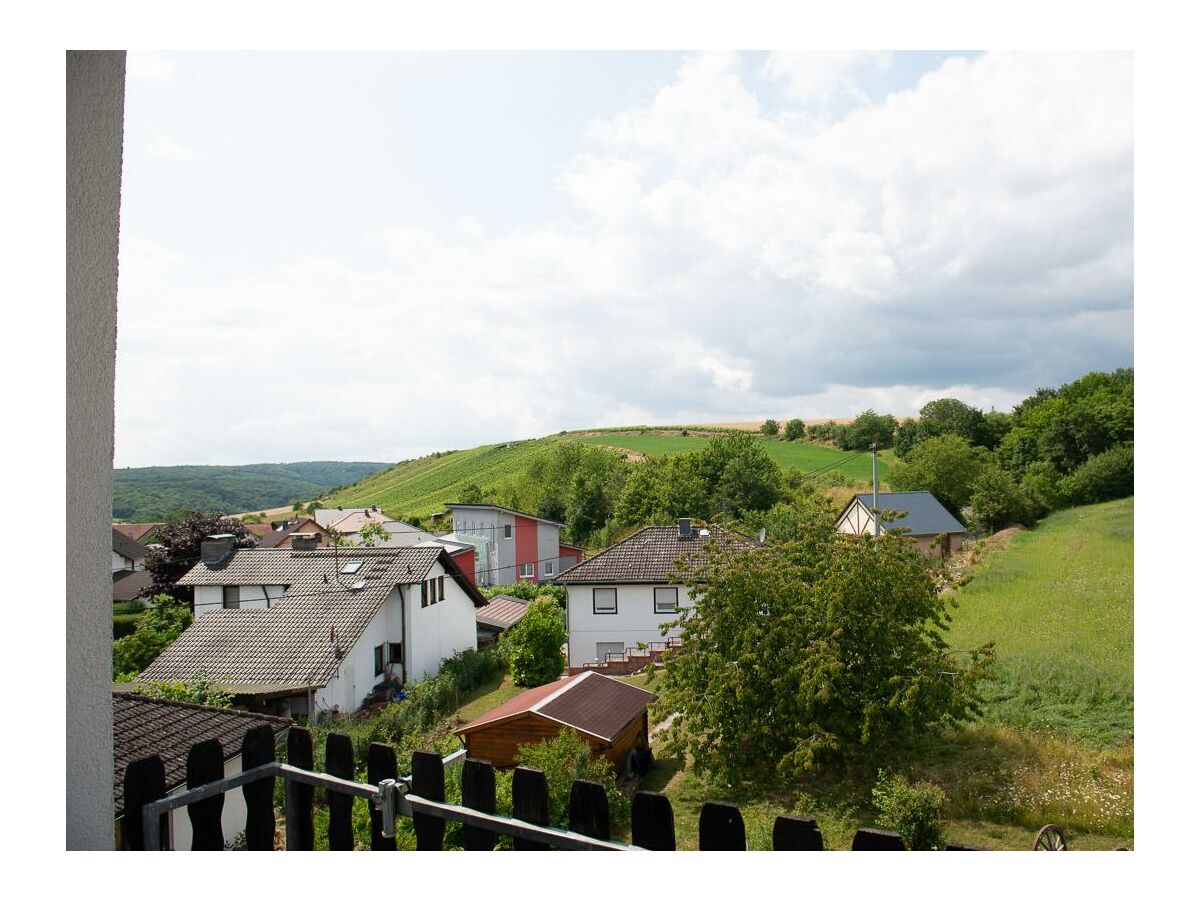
(420, 796)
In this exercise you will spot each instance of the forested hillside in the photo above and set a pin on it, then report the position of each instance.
(151, 494)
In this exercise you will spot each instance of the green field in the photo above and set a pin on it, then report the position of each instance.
(789, 455)
(1059, 605)
(423, 486)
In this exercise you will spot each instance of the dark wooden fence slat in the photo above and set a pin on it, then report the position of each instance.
(531, 803)
(381, 764)
(258, 748)
(795, 833)
(429, 781)
(206, 763)
(721, 827)
(877, 839)
(479, 792)
(145, 782)
(589, 809)
(339, 762)
(298, 813)
(653, 821)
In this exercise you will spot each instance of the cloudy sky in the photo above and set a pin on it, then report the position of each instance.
(370, 257)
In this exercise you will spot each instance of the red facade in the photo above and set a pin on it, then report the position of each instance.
(526, 538)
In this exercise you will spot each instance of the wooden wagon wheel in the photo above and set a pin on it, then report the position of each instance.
(1050, 837)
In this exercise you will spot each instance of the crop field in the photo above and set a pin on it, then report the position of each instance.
(789, 455)
(423, 486)
(1059, 605)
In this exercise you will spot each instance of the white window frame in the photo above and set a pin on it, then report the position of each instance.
(527, 570)
(508, 532)
(548, 567)
(604, 612)
(674, 602)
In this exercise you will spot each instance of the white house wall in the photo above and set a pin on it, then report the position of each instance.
(635, 620)
(439, 630)
(208, 597)
(233, 812)
(355, 677)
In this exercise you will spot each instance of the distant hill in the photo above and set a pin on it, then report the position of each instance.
(149, 494)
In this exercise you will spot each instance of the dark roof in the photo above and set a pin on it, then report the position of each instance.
(129, 585)
(276, 536)
(504, 509)
(502, 612)
(136, 530)
(650, 555)
(144, 726)
(127, 546)
(923, 513)
(288, 646)
(588, 702)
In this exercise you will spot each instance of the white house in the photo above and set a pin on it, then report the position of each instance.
(147, 726)
(129, 576)
(297, 631)
(622, 596)
(916, 514)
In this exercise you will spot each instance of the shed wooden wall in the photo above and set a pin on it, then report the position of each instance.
(498, 743)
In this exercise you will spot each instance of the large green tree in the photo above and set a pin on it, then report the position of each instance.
(738, 474)
(945, 466)
(178, 549)
(798, 655)
(533, 647)
(867, 428)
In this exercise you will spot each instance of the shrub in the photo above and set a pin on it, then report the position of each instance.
(1042, 488)
(124, 624)
(200, 691)
(996, 501)
(794, 430)
(770, 428)
(914, 811)
(564, 759)
(156, 629)
(1105, 476)
(533, 647)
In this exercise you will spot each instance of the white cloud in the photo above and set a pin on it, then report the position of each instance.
(152, 66)
(163, 146)
(821, 76)
(971, 237)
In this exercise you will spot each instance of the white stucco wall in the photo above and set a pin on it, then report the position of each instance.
(439, 630)
(95, 105)
(233, 813)
(635, 620)
(355, 677)
(208, 597)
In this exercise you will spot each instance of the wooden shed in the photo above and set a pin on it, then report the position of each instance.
(609, 714)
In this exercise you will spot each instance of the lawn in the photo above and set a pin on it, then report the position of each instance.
(487, 697)
(789, 455)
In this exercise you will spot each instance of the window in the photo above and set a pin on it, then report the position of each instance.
(526, 570)
(549, 568)
(604, 601)
(441, 586)
(231, 597)
(395, 653)
(379, 660)
(666, 600)
(606, 650)
(424, 593)
(351, 567)
(508, 531)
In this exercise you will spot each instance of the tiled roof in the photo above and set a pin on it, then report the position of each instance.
(144, 726)
(127, 546)
(650, 555)
(327, 517)
(276, 536)
(135, 530)
(923, 513)
(289, 645)
(128, 585)
(501, 612)
(354, 522)
(589, 701)
(258, 529)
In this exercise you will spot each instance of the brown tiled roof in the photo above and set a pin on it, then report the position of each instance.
(129, 585)
(276, 536)
(258, 529)
(502, 612)
(127, 546)
(136, 530)
(289, 645)
(651, 555)
(589, 702)
(144, 726)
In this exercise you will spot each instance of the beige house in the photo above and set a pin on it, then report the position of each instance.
(918, 515)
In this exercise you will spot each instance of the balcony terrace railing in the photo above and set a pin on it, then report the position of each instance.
(420, 796)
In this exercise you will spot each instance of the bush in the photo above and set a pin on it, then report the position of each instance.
(200, 691)
(533, 647)
(794, 430)
(1105, 476)
(527, 590)
(124, 624)
(770, 428)
(996, 501)
(914, 811)
(1042, 488)
(564, 759)
(156, 628)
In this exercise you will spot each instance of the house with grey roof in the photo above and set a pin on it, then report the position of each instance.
(130, 580)
(620, 598)
(512, 546)
(501, 613)
(915, 514)
(297, 631)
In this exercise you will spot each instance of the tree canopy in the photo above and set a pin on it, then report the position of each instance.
(179, 549)
(533, 647)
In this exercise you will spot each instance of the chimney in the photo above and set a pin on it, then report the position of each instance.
(685, 529)
(215, 549)
(306, 540)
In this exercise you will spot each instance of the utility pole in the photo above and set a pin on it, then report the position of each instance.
(875, 485)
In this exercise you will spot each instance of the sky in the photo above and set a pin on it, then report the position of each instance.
(374, 256)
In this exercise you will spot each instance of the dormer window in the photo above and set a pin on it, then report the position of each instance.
(351, 567)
